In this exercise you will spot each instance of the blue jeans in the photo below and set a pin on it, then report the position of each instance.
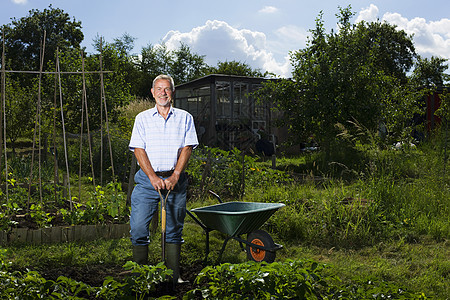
(144, 203)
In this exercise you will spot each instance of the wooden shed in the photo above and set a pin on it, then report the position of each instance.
(225, 112)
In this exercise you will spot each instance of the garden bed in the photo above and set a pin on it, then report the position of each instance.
(59, 234)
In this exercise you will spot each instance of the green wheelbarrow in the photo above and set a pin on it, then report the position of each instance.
(236, 219)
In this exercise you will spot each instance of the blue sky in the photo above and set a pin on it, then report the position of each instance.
(258, 32)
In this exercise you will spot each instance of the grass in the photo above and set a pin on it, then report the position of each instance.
(70, 254)
(421, 266)
(399, 233)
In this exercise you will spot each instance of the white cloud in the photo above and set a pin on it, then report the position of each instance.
(287, 38)
(368, 14)
(20, 1)
(293, 35)
(430, 37)
(219, 41)
(268, 10)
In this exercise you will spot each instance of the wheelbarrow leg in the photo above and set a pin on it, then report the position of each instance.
(223, 248)
(239, 239)
(207, 246)
(207, 230)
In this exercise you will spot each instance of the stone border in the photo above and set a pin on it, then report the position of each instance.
(60, 234)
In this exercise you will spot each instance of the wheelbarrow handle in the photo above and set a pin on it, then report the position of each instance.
(215, 195)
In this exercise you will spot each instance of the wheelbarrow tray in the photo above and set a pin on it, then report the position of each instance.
(236, 218)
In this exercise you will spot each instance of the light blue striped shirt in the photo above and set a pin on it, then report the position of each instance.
(162, 139)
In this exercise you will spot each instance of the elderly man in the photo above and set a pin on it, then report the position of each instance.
(162, 140)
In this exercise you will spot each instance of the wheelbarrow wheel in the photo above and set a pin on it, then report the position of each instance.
(260, 238)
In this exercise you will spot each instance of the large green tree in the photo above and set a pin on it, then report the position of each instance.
(182, 64)
(24, 43)
(187, 66)
(24, 37)
(154, 60)
(357, 74)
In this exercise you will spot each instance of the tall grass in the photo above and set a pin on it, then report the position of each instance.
(331, 215)
(136, 106)
(397, 194)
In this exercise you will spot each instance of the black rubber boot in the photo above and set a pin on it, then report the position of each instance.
(140, 254)
(173, 262)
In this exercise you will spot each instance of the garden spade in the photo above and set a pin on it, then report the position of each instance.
(163, 223)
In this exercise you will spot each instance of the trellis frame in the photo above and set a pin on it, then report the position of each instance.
(57, 73)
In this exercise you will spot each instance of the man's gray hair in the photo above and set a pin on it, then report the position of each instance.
(165, 77)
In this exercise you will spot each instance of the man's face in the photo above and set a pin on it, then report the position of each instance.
(162, 92)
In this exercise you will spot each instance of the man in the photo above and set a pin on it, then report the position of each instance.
(162, 140)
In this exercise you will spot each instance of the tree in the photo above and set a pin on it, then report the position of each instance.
(154, 60)
(430, 72)
(118, 82)
(236, 68)
(181, 64)
(186, 66)
(356, 74)
(125, 43)
(393, 49)
(23, 37)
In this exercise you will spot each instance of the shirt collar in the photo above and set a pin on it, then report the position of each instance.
(155, 112)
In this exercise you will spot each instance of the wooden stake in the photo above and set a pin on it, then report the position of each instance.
(106, 117)
(81, 131)
(87, 122)
(64, 128)
(4, 118)
(37, 127)
(55, 157)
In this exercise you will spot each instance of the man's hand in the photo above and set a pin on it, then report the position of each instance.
(183, 159)
(158, 183)
(171, 181)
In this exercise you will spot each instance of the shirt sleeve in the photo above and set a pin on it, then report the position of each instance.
(137, 135)
(191, 135)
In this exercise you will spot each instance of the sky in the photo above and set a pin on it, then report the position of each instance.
(260, 33)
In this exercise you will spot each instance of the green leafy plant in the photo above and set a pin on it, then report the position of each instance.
(40, 216)
(292, 279)
(67, 288)
(145, 278)
(111, 289)
(104, 204)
